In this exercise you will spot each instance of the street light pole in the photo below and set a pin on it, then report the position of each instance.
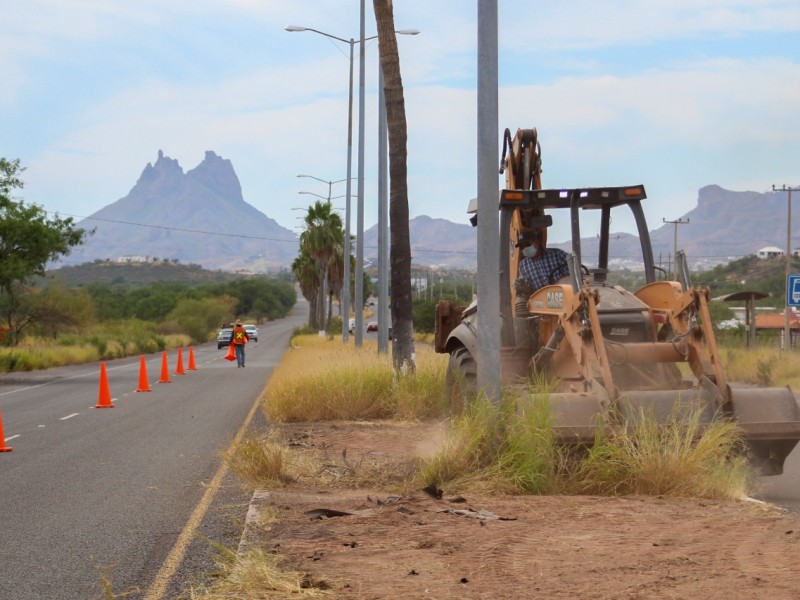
(359, 274)
(329, 182)
(347, 245)
(359, 292)
(787, 325)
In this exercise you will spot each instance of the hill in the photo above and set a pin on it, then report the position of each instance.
(199, 216)
(136, 274)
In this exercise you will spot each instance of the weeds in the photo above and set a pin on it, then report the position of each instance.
(682, 457)
(516, 451)
(511, 449)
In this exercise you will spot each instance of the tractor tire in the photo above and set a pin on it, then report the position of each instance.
(461, 381)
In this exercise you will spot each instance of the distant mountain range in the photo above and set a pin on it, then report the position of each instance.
(168, 214)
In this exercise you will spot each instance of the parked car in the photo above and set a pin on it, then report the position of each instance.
(252, 332)
(224, 337)
(372, 326)
(352, 325)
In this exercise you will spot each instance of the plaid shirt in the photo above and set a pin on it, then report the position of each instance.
(537, 271)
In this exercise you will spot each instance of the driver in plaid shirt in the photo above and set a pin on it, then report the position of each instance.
(540, 266)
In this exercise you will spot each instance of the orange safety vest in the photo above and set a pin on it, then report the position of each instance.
(239, 335)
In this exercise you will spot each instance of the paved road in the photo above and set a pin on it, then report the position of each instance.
(88, 492)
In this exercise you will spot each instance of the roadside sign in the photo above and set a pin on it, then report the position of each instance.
(793, 290)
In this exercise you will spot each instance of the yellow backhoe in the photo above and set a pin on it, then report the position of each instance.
(605, 346)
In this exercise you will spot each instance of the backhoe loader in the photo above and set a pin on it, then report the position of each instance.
(607, 348)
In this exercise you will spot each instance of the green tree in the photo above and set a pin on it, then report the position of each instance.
(28, 240)
(308, 278)
(400, 252)
(198, 317)
(323, 241)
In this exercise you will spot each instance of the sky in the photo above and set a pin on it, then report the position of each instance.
(675, 95)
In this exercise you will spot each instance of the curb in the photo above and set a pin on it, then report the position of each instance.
(259, 499)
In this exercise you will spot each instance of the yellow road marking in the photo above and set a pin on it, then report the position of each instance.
(178, 552)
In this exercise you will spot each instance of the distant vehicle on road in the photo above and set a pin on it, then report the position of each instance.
(252, 332)
(224, 337)
(352, 325)
(372, 326)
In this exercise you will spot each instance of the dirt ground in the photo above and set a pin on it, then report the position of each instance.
(380, 545)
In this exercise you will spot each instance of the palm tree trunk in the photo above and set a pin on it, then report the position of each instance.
(400, 245)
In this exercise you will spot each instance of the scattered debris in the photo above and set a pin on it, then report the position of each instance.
(477, 514)
(328, 513)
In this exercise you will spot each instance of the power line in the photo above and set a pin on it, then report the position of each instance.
(416, 249)
(236, 235)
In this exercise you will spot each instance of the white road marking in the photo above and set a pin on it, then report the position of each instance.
(87, 374)
(69, 416)
(8, 439)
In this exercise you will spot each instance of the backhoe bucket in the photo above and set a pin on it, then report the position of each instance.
(768, 418)
(770, 422)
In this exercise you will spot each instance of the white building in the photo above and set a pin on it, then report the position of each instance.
(770, 252)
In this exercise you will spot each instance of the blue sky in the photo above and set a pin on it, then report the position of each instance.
(673, 94)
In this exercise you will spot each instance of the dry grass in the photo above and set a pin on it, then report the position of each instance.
(324, 380)
(256, 575)
(265, 461)
(762, 366)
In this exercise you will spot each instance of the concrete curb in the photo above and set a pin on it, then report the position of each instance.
(259, 499)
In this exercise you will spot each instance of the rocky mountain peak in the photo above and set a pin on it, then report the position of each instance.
(217, 174)
(166, 170)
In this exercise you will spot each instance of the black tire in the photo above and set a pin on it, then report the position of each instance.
(461, 381)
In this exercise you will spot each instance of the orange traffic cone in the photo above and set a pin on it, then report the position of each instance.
(104, 397)
(144, 386)
(164, 369)
(192, 366)
(179, 369)
(3, 447)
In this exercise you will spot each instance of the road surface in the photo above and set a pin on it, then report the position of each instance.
(92, 494)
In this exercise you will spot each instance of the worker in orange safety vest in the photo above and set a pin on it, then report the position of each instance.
(239, 339)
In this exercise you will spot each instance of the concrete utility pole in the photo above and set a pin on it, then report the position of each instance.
(488, 191)
(675, 239)
(787, 325)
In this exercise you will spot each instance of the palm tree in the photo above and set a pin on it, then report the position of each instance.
(322, 239)
(400, 245)
(308, 277)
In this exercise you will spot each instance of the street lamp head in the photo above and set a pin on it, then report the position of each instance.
(294, 28)
(407, 31)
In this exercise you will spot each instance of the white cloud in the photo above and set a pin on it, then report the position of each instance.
(276, 104)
